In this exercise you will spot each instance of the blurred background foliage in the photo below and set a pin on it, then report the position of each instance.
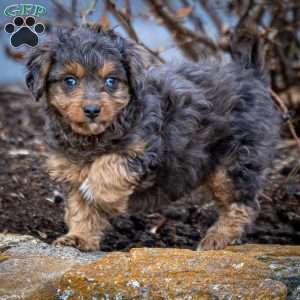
(174, 30)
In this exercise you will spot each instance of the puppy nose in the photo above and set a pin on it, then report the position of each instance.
(91, 111)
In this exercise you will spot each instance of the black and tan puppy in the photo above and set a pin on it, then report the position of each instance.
(127, 137)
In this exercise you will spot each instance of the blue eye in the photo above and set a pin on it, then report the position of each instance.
(111, 82)
(70, 81)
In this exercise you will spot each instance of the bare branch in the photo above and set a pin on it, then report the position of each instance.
(284, 109)
(64, 13)
(244, 17)
(198, 24)
(213, 14)
(180, 32)
(89, 11)
(123, 17)
(74, 7)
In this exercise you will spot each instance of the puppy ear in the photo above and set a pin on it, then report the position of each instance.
(38, 66)
(137, 59)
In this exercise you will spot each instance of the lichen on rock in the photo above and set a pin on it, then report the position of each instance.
(174, 274)
(33, 270)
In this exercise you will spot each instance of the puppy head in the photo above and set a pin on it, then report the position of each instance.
(88, 76)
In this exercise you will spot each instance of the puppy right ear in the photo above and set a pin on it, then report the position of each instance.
(38, 66)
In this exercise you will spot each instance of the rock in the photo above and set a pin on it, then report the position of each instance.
(284, 261)
(240, 272)
(31, 269)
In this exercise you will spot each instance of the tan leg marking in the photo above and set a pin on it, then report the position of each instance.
(228, 228)
(85, 223)
(97, 190)
(109, 183)
(62, 170)
(233, 216)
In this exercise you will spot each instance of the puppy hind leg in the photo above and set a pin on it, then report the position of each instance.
(85, 223)
(235, 214)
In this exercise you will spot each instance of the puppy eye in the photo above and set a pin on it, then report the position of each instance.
(70, 81)
(111, 83)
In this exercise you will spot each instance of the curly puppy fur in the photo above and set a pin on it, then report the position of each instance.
(162, 131)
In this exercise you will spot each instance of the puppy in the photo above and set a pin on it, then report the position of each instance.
(126, 136)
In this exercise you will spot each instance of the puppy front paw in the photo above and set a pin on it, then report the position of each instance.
(78, 242)
(214, 240)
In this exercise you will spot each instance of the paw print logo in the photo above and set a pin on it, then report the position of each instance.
(24, 32)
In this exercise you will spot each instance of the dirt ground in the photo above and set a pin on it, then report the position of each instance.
(30, 203)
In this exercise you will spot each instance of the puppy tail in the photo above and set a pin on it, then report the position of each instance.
(247, 50)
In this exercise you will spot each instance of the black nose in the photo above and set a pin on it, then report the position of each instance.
(91, 110)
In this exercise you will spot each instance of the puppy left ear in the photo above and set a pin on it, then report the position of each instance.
(38, 66)
(137, 59)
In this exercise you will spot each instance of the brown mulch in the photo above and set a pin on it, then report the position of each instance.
(30, 203)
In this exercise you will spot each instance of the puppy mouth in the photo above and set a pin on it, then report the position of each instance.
(88, 128)
(94, 127)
